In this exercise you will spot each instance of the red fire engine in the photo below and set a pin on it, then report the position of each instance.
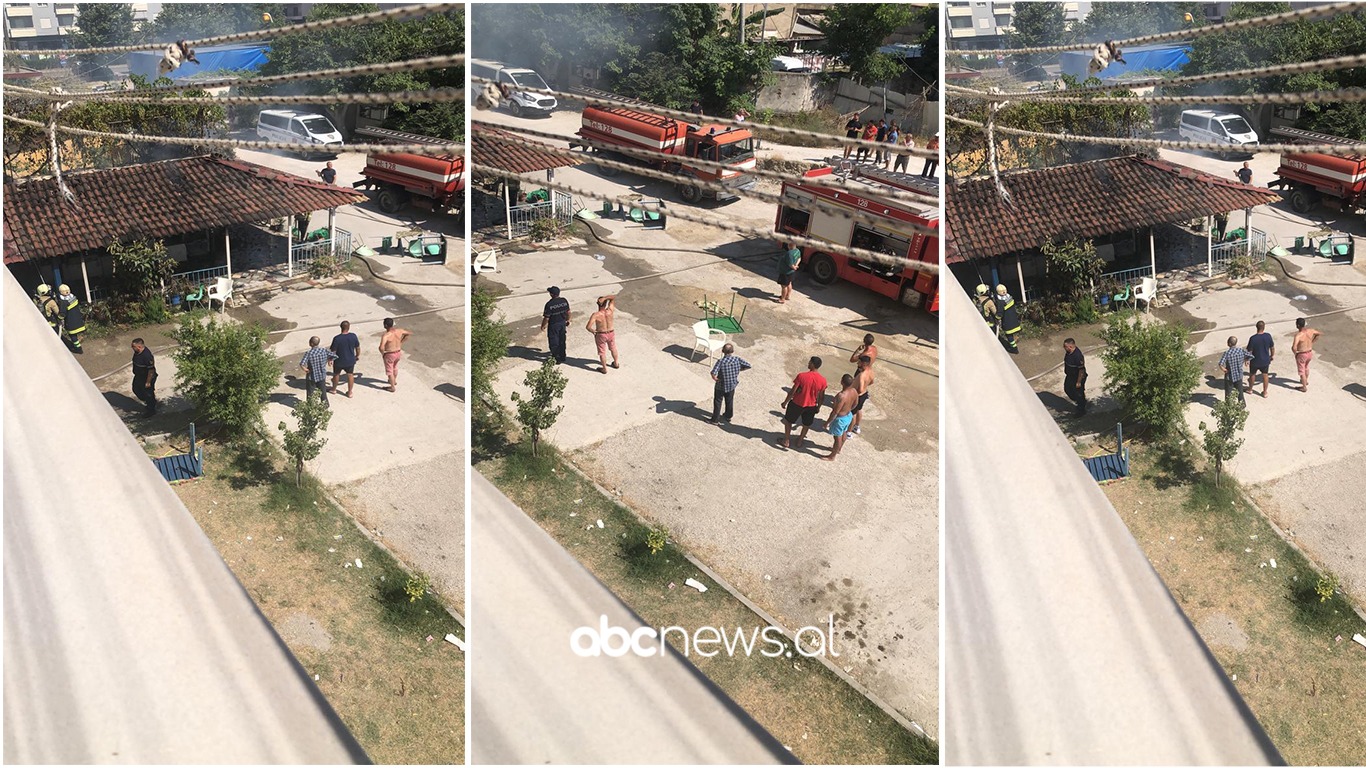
(629, 128)
(799, 215)
(1335, 181)
(432, 182)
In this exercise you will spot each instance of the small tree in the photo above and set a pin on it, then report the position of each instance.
(225, 370)
(488, 345)
(306, 442)
(140, 267)
(1149, 370)
(1072, 267)
(1222, 442)
(538, 412)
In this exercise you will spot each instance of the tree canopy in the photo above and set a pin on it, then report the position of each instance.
(854, 32)
(182, 21)
(101, 25)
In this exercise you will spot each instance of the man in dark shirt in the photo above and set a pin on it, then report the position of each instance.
(328, 174)
(852, 129)
(346, 345)
(555, 322)
(881, 138)
(1245, 174)
(144, 376)
(1263, 351)
(1074, 374)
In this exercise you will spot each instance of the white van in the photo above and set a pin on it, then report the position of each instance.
(1206, 125)
(307, 128)
(511, 81)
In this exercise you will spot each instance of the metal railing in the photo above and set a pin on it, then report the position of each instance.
(560, 206)
(196, 276)
(1129, 275)
(1224, 253)
(304, 254)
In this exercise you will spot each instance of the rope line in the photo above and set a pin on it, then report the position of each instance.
(402, 13)
(839, 182)
(1311, 97)
(1206, 146)
(689, 117)
(857, 253)
(412, 149)
(391, 97)
(1293, 68)
(379, 68)
(722, 189)
(1304, 14)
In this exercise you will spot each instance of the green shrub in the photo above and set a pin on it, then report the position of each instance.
(225, 370)
(1149, 370)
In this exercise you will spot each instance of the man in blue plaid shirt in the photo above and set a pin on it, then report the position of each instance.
(1232, 364)
(726, 374)
(314, 363)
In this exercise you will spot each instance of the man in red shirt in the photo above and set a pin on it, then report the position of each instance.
(803, 401)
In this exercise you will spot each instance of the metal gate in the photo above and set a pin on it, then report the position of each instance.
(1223, 254)
(560, 206)
(304, 254)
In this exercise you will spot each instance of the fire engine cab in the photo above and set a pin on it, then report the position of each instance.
(888, 231)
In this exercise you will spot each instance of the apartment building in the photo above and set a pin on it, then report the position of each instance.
(30, 26)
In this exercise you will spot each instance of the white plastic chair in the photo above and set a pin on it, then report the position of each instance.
(1146, 291)
(705, 340)
(486, 261)
(220, 292)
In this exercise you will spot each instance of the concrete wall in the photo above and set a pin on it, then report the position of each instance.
(795, 92)
(801, 92)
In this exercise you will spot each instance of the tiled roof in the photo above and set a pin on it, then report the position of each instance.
(154, 200)
(502, 150)
(1082, 201)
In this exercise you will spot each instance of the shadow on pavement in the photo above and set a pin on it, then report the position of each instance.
(453, 391)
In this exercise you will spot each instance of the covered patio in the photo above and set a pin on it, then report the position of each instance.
(189, 203)
(1147, 218)
(493, 148)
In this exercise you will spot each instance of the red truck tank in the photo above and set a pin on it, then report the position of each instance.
(624, 127)
(433, 182)
(1337, 182)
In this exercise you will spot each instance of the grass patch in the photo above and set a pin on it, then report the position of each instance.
(1296, 665)
(799, 701)
(380, 657)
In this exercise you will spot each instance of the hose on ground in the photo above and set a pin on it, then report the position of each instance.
(378, 276)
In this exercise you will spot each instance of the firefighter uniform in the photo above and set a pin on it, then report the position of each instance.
(987, 309)
(73, 319)
(52, 312)
(1009, 317)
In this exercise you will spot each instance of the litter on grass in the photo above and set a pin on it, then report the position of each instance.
(455, 641)
(697, 585)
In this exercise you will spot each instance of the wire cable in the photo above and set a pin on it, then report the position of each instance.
(890, 193)
(860, 254)
(1310, 97)
(1303, 14)
(1208, 146)
(416, 97)
(401, 13)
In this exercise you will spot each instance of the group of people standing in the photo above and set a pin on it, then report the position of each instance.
(343, 354)
(1257, 357)
(63, 313)
(602, 324)
(898, 145)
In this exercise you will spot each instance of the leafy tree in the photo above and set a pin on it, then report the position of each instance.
(1222, 442)
(102, 25)
(1071, 268)
(855, 31)
(1149, 370)
(1115, 21)
(1036, 25)
(306, 443)
(488, 345)
(538, 412)
(225, 370)
(182, 21)
(140, 268)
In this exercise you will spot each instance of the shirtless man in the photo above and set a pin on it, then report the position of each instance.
(602, 324)
(863, 379)
(841, 414)
(391, 349)
(866, 348)
(1303, 347)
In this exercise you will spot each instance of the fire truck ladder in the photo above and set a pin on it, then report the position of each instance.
(1310, 137)
(400, 137)
(908, 181)
(594, 93)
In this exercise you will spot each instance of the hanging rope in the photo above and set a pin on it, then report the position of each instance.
(1064, 97)
(991, 154)
(55, 158)
(391, 97)
(402, 13)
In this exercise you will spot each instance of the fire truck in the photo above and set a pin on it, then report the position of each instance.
(888, 233)
(632, 129)
(431, 182)
(1337, 182)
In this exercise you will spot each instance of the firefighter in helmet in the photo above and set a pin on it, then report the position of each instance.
(1010, 319)
(48, 306)
(73, 319)
(987, 308)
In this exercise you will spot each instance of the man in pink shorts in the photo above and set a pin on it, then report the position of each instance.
(391, 349)
(602, 324)
(1303, 347)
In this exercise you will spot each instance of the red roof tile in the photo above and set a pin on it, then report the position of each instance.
(508, 152)
(154, 200)
(1082, 201)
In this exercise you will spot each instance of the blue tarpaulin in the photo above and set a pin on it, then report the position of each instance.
(217, 58)
(1162, 58)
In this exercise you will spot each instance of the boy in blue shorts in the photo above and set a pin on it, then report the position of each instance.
(841, 415)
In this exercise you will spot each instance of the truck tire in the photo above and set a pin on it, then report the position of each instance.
(823, 269)
(514, 108)
(690, 193)
(1302, 200)
(605, 170)
(390, 201)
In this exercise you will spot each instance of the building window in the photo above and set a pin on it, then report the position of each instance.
(960, 22)
(21, 22)
(1003, 21)
(45, 23)
(984, 23)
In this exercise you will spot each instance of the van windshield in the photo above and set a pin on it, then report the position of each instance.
(1235, 126)
(529, 80)
(318, 125)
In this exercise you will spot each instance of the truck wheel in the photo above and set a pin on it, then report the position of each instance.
(1301, 200)
(690, 193)
(823, 269)
(390, 201)
(605, 170)
(515, 108)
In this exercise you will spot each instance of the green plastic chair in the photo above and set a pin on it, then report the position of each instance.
(638, 215)
(192, 299)
(1125, 295)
